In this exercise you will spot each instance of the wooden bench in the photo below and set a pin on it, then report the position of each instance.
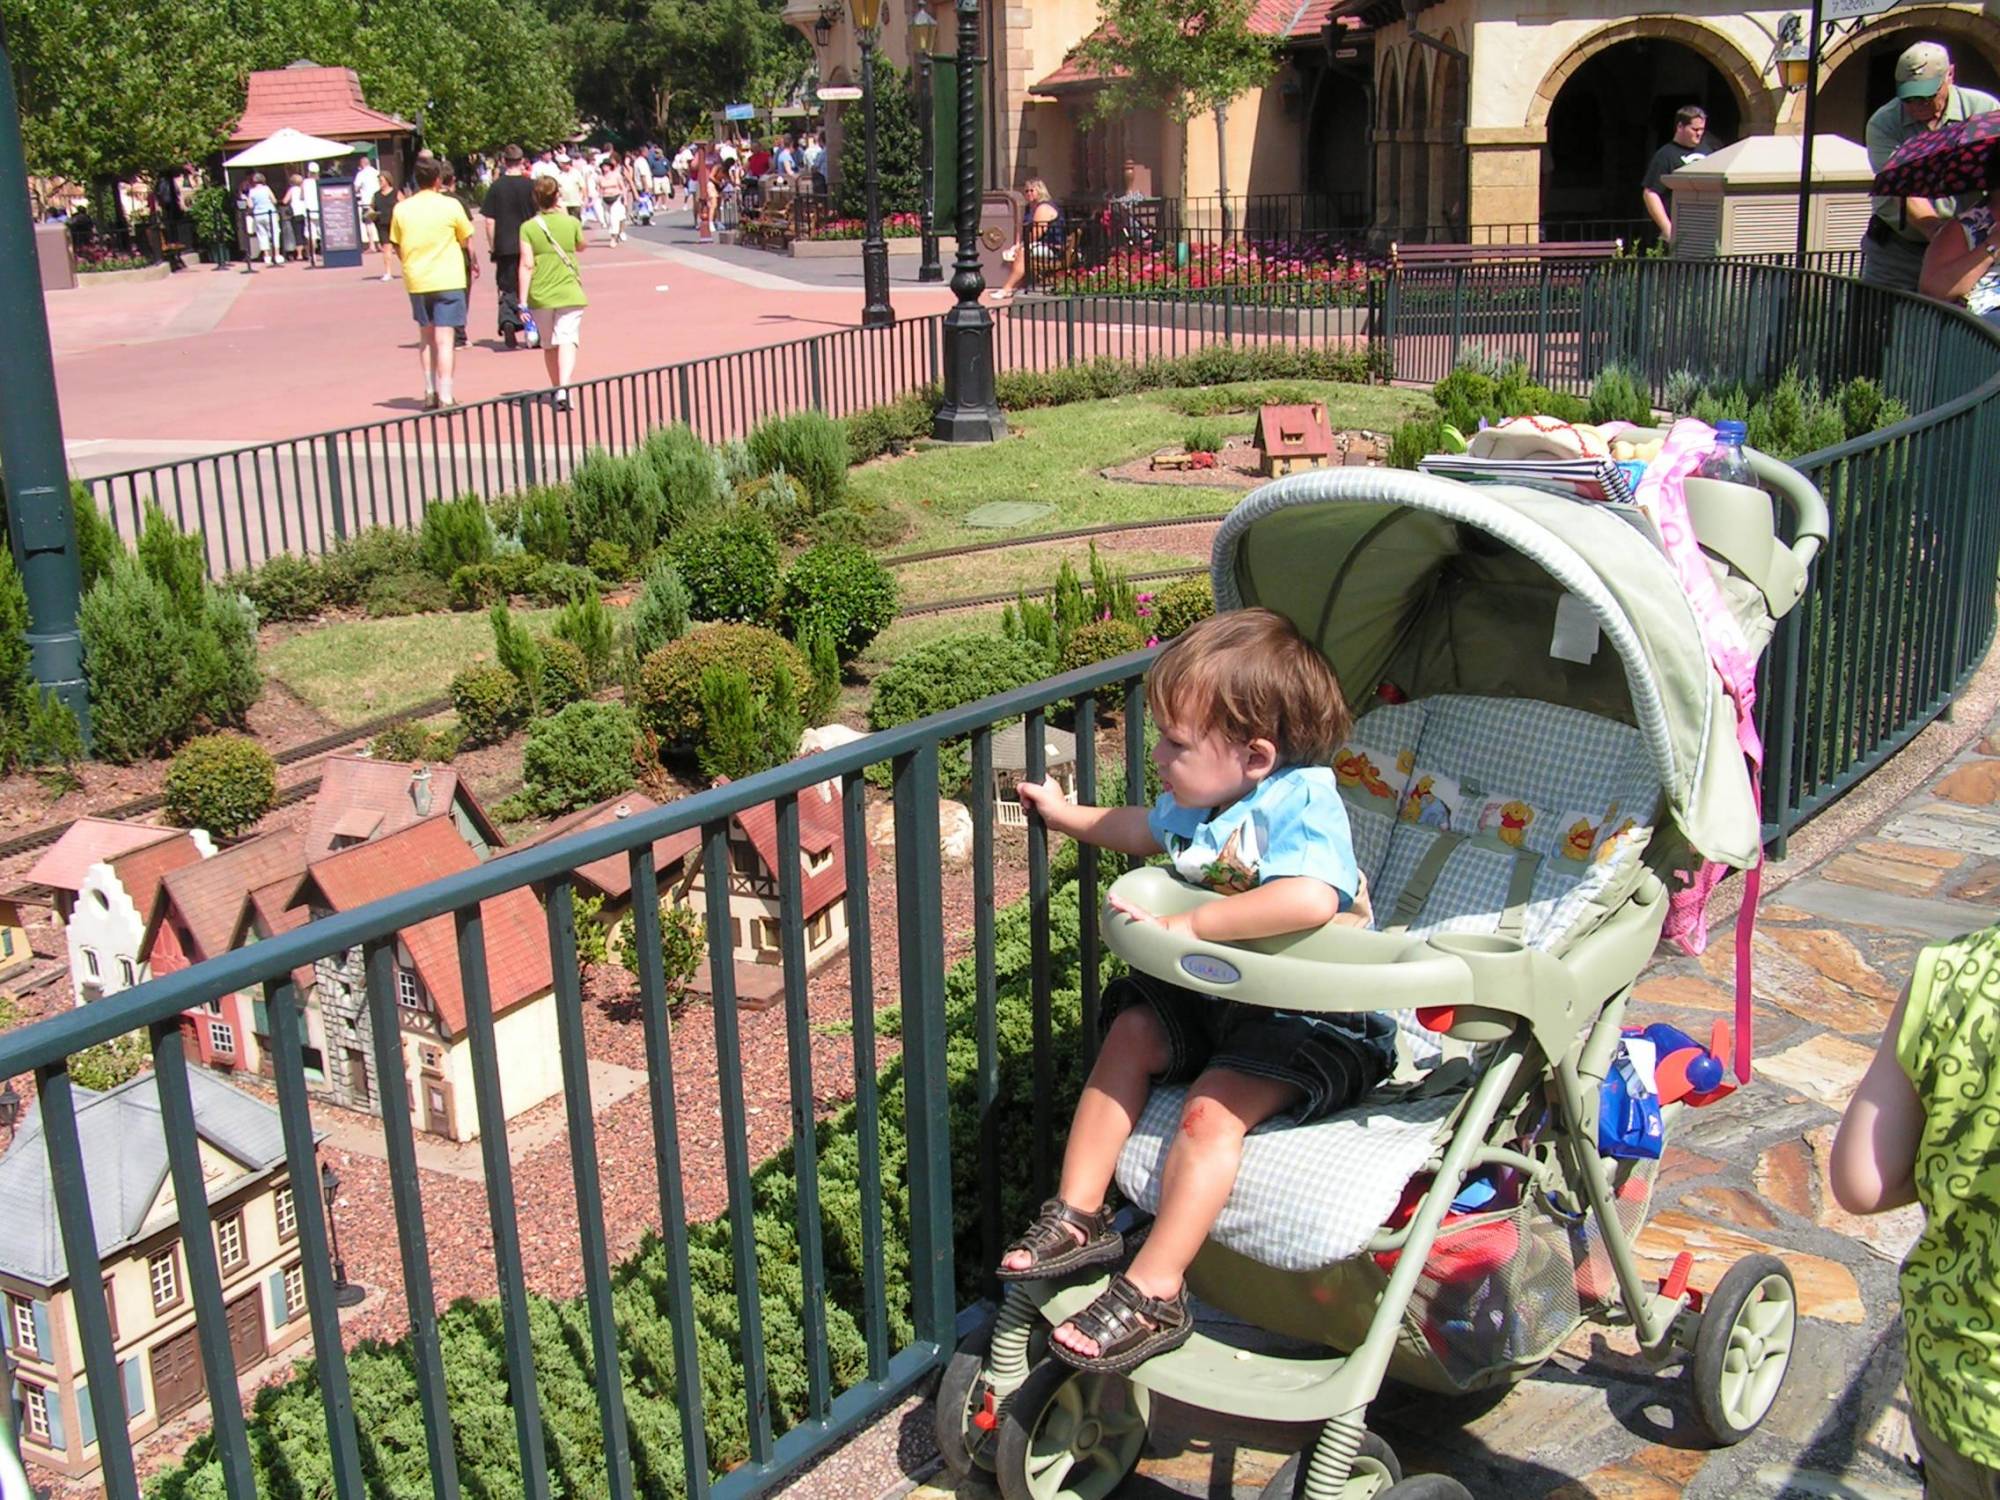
(781, 216)
(1401, 255)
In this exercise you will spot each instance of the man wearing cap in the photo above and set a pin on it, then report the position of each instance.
(1900, 229)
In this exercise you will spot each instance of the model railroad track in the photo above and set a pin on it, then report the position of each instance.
(36, 838)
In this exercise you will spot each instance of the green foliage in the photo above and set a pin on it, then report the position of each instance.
(578, 756)
(489, 702)
(478, 586)
(223, 661)
(586, 624)
(221, 782)
(565, 676)
(97, 545)
(690, 479)
(213, 215)
(945, 673)
(669, 700)
(660, 613)
(661, 70)
(136, 648)
(746, 731)
(840, 592)
(683, 944)
(898, 150)
(377, 552)
(411, 741)
(876, 430)
(390, 595)
(811, 447)
(111, 1063)
(557, 583)
(36, 727)
(616, 500)
(1679, 394)
(1865, 409)
(1415, 439)
(1205, 437)
(823, 694)
(1100, 640)
(729, 566)
(780, 500)
(593, 938)
(518, 652)
(286, 587)
(1101, 379)
(544, 524)
(1621, 395)
(174, 560)
(455, 534)
(1180, 604)
(610, 561)
(1468, 396)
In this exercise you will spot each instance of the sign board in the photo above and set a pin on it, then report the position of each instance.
(739, 112)
(1854, 10)
(339, 222)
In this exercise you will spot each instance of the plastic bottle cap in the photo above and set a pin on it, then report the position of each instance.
(1728, 429)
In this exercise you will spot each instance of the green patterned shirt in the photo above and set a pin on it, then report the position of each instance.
(1950, 1049)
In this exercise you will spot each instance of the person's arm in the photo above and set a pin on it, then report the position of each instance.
(1124, 829)
(527, 273)
(1873, 1167)
(1922, 215)
(1656, 210)
(1952, 267)
(1296, 903)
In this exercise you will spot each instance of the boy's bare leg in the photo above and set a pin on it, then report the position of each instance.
(1221, 1108)
(1134, 1051)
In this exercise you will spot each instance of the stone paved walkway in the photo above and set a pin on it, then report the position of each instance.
(1834, 946)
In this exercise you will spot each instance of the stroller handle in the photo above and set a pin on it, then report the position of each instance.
(1810, 524)
(1330, 969)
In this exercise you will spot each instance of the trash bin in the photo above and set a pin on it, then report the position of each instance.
(56, 257)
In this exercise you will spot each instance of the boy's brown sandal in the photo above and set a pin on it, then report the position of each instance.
(1128, 1328)
(1056, 1251)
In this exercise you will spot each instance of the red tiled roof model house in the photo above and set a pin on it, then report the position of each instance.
(105, 875)
(1290, 438)
(325, 102)
(430, 993)
(360, 798)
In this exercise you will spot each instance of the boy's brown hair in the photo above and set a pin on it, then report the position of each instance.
(1246, 675)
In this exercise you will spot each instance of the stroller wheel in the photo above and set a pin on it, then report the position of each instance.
(1427, 1487)
(1069, 1434)
(1743, 1347)
(961, 1396)
(1375, 1474)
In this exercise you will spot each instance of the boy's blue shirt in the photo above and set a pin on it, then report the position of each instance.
(1292, 823)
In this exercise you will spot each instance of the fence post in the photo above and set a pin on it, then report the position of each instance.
(1457, 315)
(336, 494)
(1228, 310)
(1069, 331)
(528, 452)
(817, 376)
(1542, 324)
(686, 387)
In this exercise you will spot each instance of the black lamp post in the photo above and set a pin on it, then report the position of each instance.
(970, 413)
(923, 35)
(875, 309)
(10, 1110)
(345, 1292)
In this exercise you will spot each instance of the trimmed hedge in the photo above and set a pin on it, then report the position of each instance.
(808, 445)
(838, 591)
(490, 704)
(221, 782)
(730, 567)
(957, 669)
(669, 699)
(579, 756)
(1102, 379)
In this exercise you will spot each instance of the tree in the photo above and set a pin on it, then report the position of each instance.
(657, 69)
(1187, 57)
(898, 149)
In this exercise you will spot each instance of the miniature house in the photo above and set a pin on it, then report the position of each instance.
(1010, 769)
(1290, 438)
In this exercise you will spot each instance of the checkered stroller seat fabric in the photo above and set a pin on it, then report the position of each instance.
(1483, 815)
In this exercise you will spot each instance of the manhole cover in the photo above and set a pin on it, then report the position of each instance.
(1001, 514)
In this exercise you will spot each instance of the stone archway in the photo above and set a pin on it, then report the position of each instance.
(1413, 191)
(1448, 154)
(1855, 73)
(1389, 149)
(1756, 109)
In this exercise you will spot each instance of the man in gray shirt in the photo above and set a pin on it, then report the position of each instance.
(1927, 96)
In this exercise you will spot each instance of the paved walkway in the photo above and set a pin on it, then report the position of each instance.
(1835, 944)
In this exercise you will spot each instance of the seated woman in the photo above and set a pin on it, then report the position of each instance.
(1960, 265)
(1041, 238)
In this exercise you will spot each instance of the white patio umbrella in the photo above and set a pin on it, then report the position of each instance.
(285, 147)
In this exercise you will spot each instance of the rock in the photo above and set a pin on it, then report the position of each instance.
(1826, 1068)
(954, 829)
(1686, 991)
(1826, 1289)
(1784, 1175)
(1731, 1206)
(1976, 783)
(828, 737)
(1888, 1235)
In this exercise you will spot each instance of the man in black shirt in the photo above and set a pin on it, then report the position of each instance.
(1690, 143)
(509, 204)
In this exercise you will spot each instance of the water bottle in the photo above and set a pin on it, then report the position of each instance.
(1726, 460)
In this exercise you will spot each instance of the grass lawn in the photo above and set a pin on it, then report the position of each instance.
(1029, 568)
(1056, 458)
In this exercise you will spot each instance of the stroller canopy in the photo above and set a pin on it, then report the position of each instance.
(1414, 585)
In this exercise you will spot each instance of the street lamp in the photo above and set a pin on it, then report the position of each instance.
(10, 1109)
(823, 26)
(875, 309)
(923, 34)
(345, 1292)
(971, 412)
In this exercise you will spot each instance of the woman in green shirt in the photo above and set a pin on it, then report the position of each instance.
(551, 243)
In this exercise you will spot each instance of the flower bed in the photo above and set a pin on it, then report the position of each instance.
(1313, 273)
(93, 258)
(894, 227)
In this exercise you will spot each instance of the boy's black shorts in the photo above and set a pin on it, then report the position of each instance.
(1331, 1059)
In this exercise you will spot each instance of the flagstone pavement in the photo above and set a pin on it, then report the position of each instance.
(1833, 948)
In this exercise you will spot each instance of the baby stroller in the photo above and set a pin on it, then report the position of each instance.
(1543, 741)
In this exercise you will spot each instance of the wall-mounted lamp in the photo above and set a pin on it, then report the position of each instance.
(1792, 57)
(823, 27)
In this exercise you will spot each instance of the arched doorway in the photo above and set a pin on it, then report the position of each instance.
(1342, 146)
(1389, 153)
(1608, 118)
(1859, 78)
(1413, 197)
(1448, 166)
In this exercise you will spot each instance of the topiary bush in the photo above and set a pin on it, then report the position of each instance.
(811, 447)
(1180, 604)
(286, 587)
(615, 500)
(175, 560)
(565, 676)
(838, 591)
(579, 756)
(395, 594)
(944, 674)
(478, 586)
(669, 698)
(223, 662)
(1098, 641)
(729, 567)
(377, 552)
(221, 782)
(518, 653)
(489, 703)
(610, 561)
(660, 613)
(96, 543)
(823, 693)
(545, 523)
(455, 534)
(690, 479)
(557, 583)
(136, 647)
(586, 624)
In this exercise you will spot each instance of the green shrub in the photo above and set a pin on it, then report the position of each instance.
(669, 700)
(558, 583)
(97, 545)
(879, 429)
(1098, 641)
(136, 650)
(287, 587)
(660, 613)
(1205, 437)
(586, 624)
(745, 731)
(565, 676)
(1865, 409)
(478, 586)
(840, 592)
(377, 552)
(945, 673)
(221, 782)
(811, 447)
(1414, 439)
(455, 534)
(518, 652)
(111, 1063)
(503, 513)
(411, 741)
(36, 727)
(779, 499)
(610, 561)
(578, 756)
(489, 703)
(593, 938)
(223, 662)
(730, 567)
(1180, 604)
(1680, 392)
(683, 945)
(823, 694)
(1620, 395)
(689, 477)
(175, 560)
(615, 500)
(394, 594)
(1219, 365)
(544, 527)
(858, 523)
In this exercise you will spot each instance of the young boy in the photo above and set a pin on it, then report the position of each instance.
(1924, 1127)
(1249, 715)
